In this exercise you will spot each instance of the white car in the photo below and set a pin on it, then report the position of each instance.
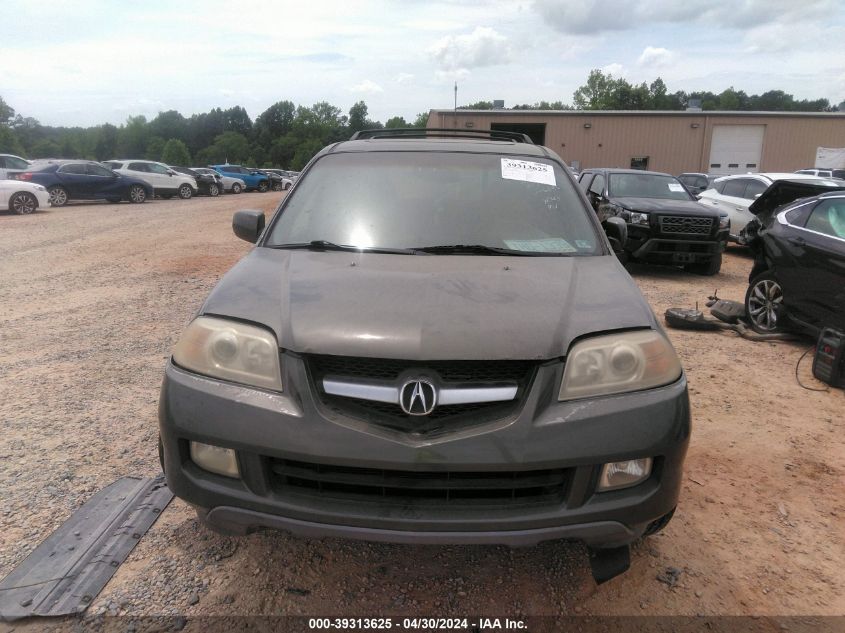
(23, 197)
(734, 194)
(824, 173)
(230, 184)
(12, 162)
(165, 182)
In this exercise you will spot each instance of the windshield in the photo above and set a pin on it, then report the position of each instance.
(409, 200)
(647, 186)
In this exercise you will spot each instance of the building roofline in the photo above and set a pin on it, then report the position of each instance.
(680, 113)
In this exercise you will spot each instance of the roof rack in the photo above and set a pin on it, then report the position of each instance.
(438, 132)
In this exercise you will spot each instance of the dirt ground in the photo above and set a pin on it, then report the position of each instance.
(92, 298)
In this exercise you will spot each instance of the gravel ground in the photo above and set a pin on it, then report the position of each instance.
(92, 298)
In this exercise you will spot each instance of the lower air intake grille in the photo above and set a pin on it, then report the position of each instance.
(432, 488)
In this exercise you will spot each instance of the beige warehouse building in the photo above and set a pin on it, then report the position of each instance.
(668, 141)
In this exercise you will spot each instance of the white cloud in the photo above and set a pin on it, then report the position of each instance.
(655, 57)
(595, 16)
(483, 47)
(367, 87)
(617, 70)
(451, 75)
(403, 78)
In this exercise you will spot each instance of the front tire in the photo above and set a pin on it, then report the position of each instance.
(263, 186)
(764, 307)
(236, 188)
(708, 268)
(137, 194)
(185, 192)
(58, 196)
(213, 191)
(277, 186)
(23, 203)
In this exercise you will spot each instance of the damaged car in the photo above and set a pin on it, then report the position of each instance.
(666, 225)
(432, 341)
(797, 282)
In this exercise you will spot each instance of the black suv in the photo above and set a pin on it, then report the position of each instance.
(666, 225)
(431, 342)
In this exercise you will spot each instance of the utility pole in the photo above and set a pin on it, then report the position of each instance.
(456, 105)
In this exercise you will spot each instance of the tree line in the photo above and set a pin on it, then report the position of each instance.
(284, 135)
(603, 91)
(287, 135)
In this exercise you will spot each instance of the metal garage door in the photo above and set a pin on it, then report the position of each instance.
(736, 149)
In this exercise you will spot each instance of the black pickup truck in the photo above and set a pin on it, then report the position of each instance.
(666, 225)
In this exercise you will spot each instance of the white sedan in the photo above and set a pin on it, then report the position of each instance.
(22, 197)
(734, 194)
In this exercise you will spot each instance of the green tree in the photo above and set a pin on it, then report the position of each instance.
(175, 153)
(132, 138)
(421, 120)
(155, 147)
(478, 105)
(7, 113)
(106, 142)
(9, 143)
(229, 147)
(396, 122)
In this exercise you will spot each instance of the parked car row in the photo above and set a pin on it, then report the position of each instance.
(122, 179)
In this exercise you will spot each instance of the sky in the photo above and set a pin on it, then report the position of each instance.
(87, 62)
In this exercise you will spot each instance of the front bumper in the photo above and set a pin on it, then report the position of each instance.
(577, 437)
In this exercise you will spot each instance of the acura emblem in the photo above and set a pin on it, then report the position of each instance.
(417, 397)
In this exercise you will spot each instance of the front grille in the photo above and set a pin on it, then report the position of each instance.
(685, 225)
(436, 488)
(448, 372)
(471, 371)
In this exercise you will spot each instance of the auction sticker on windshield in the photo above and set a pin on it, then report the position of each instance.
(673, 186)
(550, 245)
(528, 171)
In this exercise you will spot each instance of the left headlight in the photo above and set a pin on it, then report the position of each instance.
(230, 350)
(618, 363)
(724, 222)
(638, 217)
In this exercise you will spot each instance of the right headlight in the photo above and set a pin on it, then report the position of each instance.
(230, 350)
(618, 363)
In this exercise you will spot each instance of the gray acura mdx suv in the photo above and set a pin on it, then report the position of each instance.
(431, 342)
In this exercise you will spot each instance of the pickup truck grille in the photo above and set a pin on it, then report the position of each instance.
(685, 225)
(438, 488)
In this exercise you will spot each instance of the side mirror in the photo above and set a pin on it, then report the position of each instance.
(248, 225)
(617, 233)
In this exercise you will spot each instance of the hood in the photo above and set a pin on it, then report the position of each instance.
(419, 307)
(662, 205)
(782, 192)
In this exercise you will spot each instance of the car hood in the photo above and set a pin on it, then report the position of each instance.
(429, 307)
(661, 205)
(782, 192)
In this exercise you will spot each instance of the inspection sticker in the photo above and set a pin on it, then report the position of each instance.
(548, 245)
(527, 171)
(673, 186)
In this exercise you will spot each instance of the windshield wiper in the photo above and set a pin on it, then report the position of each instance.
(325, 245)
(480, 249)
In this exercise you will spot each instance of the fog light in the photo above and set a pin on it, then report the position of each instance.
(215, 459)
(624, 474)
